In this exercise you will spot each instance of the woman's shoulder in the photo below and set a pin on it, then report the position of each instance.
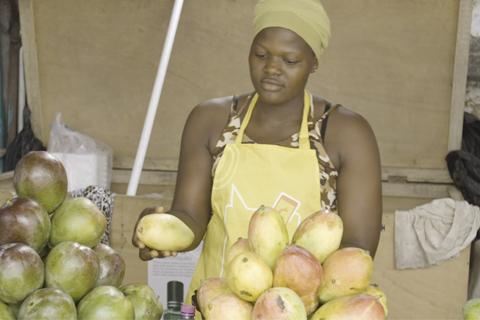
(340, 117)
(220, 106)
(210, 117)
(347, 133)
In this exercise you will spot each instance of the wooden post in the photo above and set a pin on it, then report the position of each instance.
(32, 80)
(460, 74)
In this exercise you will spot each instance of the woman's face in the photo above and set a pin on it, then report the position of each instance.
(280, 64)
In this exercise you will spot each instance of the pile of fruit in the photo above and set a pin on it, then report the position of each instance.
(52, 263)
(269, 277)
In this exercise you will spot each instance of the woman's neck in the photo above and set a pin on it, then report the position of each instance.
(289, 111)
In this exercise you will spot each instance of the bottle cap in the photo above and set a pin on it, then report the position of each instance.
(187, 310)
(175, 291)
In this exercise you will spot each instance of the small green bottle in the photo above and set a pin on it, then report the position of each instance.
(174, 301)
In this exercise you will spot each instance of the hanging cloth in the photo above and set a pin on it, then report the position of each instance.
(23, 143)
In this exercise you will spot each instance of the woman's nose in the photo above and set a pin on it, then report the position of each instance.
(272, 66)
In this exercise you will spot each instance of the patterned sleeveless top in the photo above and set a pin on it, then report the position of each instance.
(328, 173)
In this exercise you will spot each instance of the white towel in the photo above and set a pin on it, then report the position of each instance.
(434, 232)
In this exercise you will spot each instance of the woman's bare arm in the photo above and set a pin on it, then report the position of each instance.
(359, 193)
(191, 202)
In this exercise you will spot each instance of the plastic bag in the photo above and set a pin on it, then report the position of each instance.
(87, 161)
(24, 142)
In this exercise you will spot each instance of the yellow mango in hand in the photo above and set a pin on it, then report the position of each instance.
(164, 232)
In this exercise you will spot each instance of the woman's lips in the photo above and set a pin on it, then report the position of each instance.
(271, 85)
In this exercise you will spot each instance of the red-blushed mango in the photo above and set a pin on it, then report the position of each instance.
(354, 307)
(320, 233)
(72, 268)
(210, 289)
(279, 304)
(78, 220)
(144, 301)
(228, 306)
(48, 304)
(42, 177)
(375, 291)
(21, 272)
(239, 246)
(105, 302)
(112, 266)
(346, 271)
(267, 234)
(248, 276)
(24, 220)
(300, 271)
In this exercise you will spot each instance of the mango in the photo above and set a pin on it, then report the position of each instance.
(164, 232)
(300, 271)
(239, 246)
(106, 303)
(210, 289)
(248, 276)
(279, 304)
(78, 220)
(72, 268)
(112, 266)
(15, 307)
(471, 309)
(24, 220)
(144, 301)
(375, 291)
(5, 312)
(48, 304)
(354, 307)
(21, 272)
(228, 306)
(42, 177)
(320, 233)
(346, 271)
(267, 234)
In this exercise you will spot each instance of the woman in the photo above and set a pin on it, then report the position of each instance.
(273, 147)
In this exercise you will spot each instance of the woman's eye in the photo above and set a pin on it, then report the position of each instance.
(291, 61)
(260, 55)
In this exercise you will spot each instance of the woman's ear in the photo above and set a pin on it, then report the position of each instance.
(315, 66)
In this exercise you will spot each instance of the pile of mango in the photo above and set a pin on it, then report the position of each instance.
(52, 263)
(270, 277)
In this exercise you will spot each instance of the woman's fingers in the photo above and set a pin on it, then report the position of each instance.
(136, 242)
(145, 254)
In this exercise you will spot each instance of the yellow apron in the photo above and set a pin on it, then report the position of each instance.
(251, 175)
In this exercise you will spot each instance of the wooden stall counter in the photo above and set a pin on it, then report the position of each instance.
(437, 292)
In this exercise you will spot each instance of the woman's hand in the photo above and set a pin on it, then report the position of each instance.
(145, 253)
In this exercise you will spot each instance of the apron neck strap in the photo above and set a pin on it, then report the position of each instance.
(303, 139)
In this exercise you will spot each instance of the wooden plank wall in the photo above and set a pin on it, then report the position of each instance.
(398, 63)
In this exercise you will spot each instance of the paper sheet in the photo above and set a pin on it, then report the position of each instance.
(179, 268)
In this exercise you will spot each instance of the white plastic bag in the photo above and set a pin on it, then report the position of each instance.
(87, 161)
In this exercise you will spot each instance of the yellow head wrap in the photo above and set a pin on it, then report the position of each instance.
(307, 18)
